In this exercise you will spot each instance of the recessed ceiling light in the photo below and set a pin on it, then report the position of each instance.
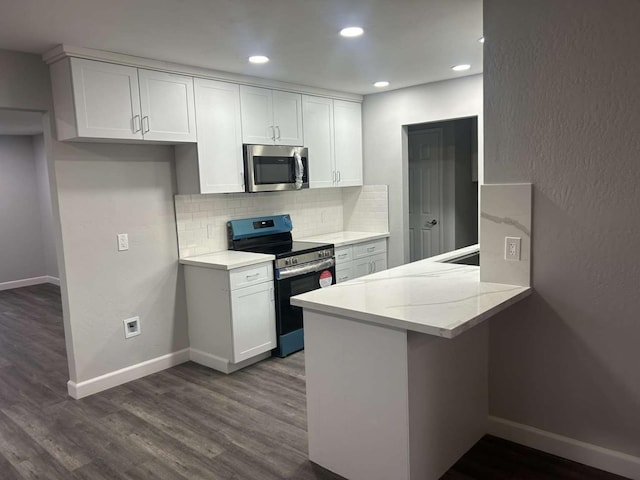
(258, 59)
(461, 68)
(351, 31)
(481, 39)
(381, 84)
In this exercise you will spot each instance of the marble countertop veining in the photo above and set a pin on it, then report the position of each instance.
(227, 259)
(343, 238)
(434, 298)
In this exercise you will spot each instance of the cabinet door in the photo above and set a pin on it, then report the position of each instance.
(220, 160)
(168, 107)
(361, 267)
(253, 321)
(378, 262)
(317, 117)
(107, 100)
(348, 142)
(287, 118)
(257, 115)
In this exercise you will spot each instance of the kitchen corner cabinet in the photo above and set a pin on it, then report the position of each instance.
(104, 101)
(333, 134)
(357, 260)
(231, 315)
(215, 163)
(271, 117)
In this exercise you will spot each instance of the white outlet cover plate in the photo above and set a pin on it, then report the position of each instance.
(512, 248)
(128, 333)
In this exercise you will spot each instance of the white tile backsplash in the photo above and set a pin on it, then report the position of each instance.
(202, 219)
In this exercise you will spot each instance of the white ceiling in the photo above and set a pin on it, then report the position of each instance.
(14, 122)
(407, 42)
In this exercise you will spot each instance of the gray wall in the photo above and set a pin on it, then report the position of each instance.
(21, 240)
(24, 83)
(385, 140)
(46, 211)
(105, 190)
(99, 191)
(562, 110)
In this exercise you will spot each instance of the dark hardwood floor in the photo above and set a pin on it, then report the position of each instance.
(188, 422)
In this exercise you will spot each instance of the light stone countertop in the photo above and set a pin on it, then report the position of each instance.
(227, 259)
(434, 298)
(343, 238)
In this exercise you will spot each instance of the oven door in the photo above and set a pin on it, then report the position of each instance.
(289, 317)
(271, 168)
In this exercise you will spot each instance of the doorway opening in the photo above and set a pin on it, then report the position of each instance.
(443, 186)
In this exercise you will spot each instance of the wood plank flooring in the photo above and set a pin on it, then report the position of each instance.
(188, 422)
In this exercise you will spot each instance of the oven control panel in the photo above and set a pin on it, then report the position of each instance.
(305, 258)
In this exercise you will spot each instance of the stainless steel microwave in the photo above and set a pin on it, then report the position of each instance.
(272, 168)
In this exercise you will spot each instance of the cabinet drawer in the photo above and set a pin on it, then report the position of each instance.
(251, 275)
(344, 272)
(369, 248)
(343, 254)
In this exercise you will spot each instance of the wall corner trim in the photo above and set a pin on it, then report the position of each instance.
(572, 449)
(127, 374)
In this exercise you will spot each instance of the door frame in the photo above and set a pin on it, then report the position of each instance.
(405, 172)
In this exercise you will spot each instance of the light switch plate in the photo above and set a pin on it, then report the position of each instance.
(123, 242)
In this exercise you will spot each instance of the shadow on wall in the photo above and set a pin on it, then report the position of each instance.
(553, 362)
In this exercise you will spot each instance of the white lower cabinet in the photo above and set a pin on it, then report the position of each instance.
(231, 315)
(357, 260)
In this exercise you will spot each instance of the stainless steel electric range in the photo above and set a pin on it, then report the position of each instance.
(299, 267)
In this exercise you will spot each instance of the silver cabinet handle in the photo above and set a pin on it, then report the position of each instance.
(334, 176)
(278, 128)
(342, 279)
(273, 133)
(342, 255)
(339, 176)
(373, 266)
(136, 124)
(251, 276)
(371, 249)
(145, 119)
(271, 293)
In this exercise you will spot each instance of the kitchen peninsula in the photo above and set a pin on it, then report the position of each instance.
(396, 369)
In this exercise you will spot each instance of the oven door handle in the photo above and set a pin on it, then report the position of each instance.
(305, 268)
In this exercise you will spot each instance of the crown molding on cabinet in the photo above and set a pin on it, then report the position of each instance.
(63, 51)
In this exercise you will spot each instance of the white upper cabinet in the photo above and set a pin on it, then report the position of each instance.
(106, 99)
(317, 113)
(168, 107)
(271, 117)
(333, 134)
(347, 118)
(215, 165)
(99, 100)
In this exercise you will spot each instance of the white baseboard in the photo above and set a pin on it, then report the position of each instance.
(576, 450)
(222, 364)
(124, 375)
(27, 282)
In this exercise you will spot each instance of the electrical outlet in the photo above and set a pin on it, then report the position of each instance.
(131, 327)
(512, 248)
(123, 242)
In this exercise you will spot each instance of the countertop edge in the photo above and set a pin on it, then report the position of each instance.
(225, 266)
(367, 236)
(384, 321)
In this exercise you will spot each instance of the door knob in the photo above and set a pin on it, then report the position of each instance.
(432, 222)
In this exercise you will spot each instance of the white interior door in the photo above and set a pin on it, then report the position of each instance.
(425, 193)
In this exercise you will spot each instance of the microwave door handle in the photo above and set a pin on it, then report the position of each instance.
(299, 170)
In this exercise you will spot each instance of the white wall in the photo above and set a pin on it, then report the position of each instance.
(385, 161)
(562, 110)
(21, 239)
(24, 83)
(46, 211)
